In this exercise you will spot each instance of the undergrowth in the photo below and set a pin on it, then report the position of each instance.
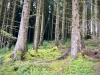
(41, 63)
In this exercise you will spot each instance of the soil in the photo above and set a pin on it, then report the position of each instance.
(92, 53)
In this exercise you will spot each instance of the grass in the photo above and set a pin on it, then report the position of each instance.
(37, 63)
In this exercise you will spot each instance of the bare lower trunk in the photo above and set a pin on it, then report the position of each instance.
(42, 24)
(99, 20)
(57, 24)
(83, 19)
(12, 23)
(21, 44)
(37, 26)
(95, 17)
(63, 22)
(3, 24)
(75, 34)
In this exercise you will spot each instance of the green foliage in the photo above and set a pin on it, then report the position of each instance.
(7, 35)
(68, 43)
(81, 67)
(92, 44)
(7, 57)
(45, 54)
(36, 63)
(47, 44)
(64, 67)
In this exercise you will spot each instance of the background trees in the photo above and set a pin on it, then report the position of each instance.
(49, 20)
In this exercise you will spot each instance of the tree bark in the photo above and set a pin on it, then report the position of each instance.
(42, 23)
(99, 20)
(12, 23)
(75, 34)
(21, 44)
(57, 24)
(0, 13)
(37, 26)
(95, 17)
(83, 19)
(63, 22)
(3, 7)
(3, 22)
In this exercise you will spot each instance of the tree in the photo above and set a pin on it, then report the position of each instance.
(83, 18)
(3, 7)
(75, 33)
(0, 11)
(0, 21)
(99, 20)
(95, 16)
(37, 26)
(57, 24)
(63, 22)
(21, 44)
(83, 24)
(3, 22)
(12, 23)
(42, 23)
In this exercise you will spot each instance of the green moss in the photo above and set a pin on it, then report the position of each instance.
(6, 34)
(55, 48)
(19, 55)
(35, 63)
(45, 54)
(28, 56)
(7, 57)
(86, 57)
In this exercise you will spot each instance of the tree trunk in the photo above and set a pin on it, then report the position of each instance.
(21, 44)
(91, 23)
(95, 17)
(12, 23)
(3, 7)
(42, 23)
(83, 24)
(99, 20)
(37, 26)
(57, 24)
(75, 34)
(0, 13)
(0, 22)
(83, 19)
(63, 22)
(3, 23)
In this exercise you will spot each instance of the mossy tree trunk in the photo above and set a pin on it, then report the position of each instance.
(21, 44)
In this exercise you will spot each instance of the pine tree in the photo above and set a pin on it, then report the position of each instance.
(21, 44)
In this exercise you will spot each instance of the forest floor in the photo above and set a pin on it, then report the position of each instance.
(52, 60)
